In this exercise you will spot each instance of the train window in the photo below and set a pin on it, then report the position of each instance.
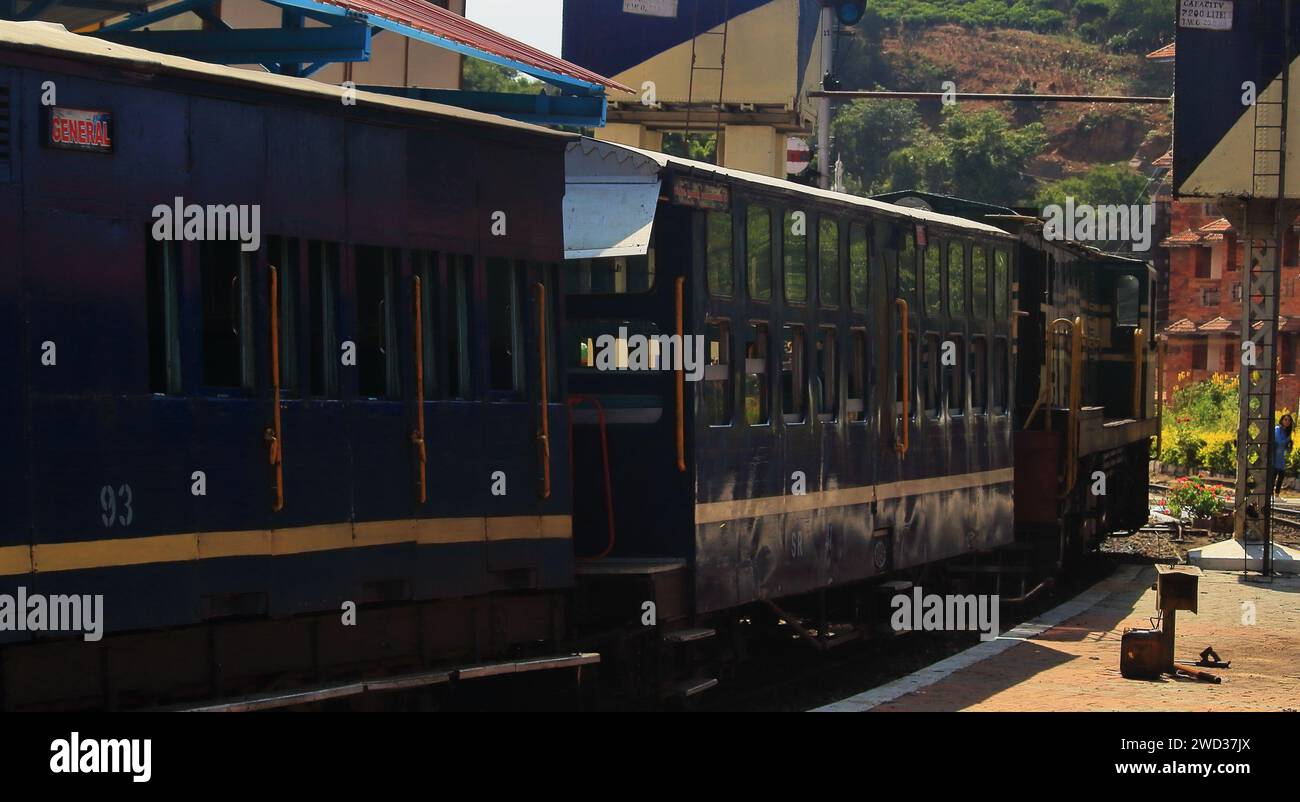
(757, 408)
(226, 285)
(979, 361)
(859, 266)
(1000, 373)
(979, 283)
(426, 267)
(828, 262)
(792, 374)
(933, 280)
(907, 268)
(283, 254)
(857, 376)
(956, 375)
(721, 268)
(716, 393)
(376, 324)
(460, 292)
(162, 297)
(825, 391)
(1126, 300)
(795, 257)
(930, 355)
(956, 279)
(612, 275)
(1000, 278)
(505, 338)
(611, 345)
(322, 292)
(758, 252)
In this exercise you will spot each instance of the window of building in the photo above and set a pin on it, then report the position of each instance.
(376, 276)
(825, 389)
(828, 262)
(1209, 297)
(858, 372)
(162, 298)
(721, 268)
(1287, 352)
(1199, 356)
(792, 374)
(956, 279)
(322, 292)
(795, 257)
(1202, 257)
(225, 279)
(859, 266)
(758, 252)
(757, 409)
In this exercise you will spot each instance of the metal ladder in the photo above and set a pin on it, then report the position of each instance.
(721, 70)
(1260, 309)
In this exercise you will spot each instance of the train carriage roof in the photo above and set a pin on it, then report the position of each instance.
(52, 38)
(611, 192)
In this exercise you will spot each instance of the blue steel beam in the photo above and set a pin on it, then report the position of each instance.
(254, 45)
(539, 109)
(566, 82)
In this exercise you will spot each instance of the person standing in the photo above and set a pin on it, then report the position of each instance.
(1281, 448)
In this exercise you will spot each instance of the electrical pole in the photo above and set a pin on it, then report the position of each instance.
(824, 103)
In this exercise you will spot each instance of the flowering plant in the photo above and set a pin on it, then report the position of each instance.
(1199, 499)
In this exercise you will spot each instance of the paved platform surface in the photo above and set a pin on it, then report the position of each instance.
(1068, 659)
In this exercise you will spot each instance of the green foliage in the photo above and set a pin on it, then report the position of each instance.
(1103, 184)
(866, 133)
(484, 76)
(700, 147)
(976, 155)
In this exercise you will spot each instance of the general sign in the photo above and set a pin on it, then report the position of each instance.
(651, 8)
(1215, 15)
(80, 129)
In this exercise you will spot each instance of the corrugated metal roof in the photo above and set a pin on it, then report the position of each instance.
(51, 37)
(448, 25)
(622, 152)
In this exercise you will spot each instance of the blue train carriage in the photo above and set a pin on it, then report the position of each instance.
(232, 439)
(804, 454)
(1073, 489)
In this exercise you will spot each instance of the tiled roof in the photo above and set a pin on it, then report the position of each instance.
(1221, 224)
(1218, 324)
(1165, 53)
(1184, 326)
(1188, 237)
(1166, 160)
(1281, 323)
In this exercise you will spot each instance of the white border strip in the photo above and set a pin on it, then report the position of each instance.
(931, 674)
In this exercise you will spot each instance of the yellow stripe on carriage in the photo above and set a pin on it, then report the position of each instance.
(78, 555)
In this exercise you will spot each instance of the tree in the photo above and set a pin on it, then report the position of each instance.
(1104, 184)
(484, 76)
(866, 133)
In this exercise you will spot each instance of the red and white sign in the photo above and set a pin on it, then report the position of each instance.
(80, 129)
(797, 155)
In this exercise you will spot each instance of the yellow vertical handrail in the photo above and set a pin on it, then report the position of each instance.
(272, 435)
(417, 436)
(901, 444)
(680, 287)
(1138, 365)
(544, 426)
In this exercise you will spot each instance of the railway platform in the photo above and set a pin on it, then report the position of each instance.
(1068, 658)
